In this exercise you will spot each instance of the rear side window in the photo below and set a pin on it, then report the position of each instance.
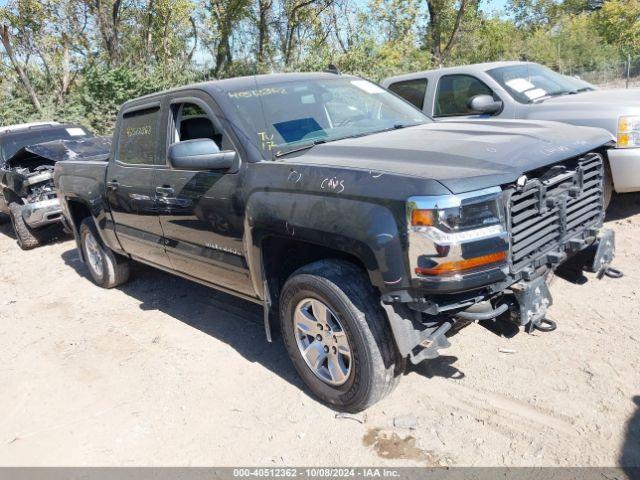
(137, 143)
(412, 91)
(454, 93)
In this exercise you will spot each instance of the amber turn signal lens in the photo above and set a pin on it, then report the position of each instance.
(461, 265)
(422, 218)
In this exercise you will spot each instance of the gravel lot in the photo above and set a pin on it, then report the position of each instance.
(162, 371)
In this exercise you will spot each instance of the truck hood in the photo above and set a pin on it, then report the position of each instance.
(600, 108)
(463, 155)
(619, 97)
(58, 150)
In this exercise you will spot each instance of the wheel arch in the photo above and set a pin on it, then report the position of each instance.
(11, 197)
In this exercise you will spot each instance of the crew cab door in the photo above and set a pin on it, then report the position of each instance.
(201, 212)
(130, 183)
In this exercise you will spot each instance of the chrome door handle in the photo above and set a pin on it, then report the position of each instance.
(112, 185)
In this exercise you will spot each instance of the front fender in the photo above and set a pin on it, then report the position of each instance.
(365, 230)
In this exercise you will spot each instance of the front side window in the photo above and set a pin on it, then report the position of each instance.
(191, 122)
(455, 92)
(413, 91)
(137, 142)
(530, 83)
(280, 116)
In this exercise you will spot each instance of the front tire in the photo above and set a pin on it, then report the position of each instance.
(107, 268)
(27, 238)
(338, 336)
(607, 187)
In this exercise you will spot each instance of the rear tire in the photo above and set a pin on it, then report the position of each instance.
(107, 268)
(27, 238)
(373, 365)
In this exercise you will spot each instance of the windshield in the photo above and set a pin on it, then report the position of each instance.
(530, 83)
(292, 115)
(11, 143)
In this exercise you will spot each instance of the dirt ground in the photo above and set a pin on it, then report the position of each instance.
(162, 371)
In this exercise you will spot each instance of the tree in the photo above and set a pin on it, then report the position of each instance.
(296, 18)
(5, 36)
(445, 20)
(619, 24)
(225, 15)
(264, 24)
(397, 19)
(107, 15)
(19, 20)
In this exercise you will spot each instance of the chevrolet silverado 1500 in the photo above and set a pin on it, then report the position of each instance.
(371, 232)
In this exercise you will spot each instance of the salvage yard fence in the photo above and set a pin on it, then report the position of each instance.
(624, 74)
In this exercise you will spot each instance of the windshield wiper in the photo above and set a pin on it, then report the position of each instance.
(580, 90)
(301, 148)
(550, 95)
(319, 141)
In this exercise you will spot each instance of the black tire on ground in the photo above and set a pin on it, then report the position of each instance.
(375, 363)
(607, 190)
(27, 238)
(114, 269)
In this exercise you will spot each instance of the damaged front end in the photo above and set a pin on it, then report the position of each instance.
(488, 256)
(36, 189)
(27, 177)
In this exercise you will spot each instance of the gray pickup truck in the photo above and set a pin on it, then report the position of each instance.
(523, 90)
(371, 232)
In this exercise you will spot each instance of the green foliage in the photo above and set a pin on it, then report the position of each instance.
(619, 23)
(489, 40)
(104, 90)
(79, 60)
(573, 44)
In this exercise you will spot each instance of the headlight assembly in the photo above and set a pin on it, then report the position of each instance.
(628, 131)
(456, 233)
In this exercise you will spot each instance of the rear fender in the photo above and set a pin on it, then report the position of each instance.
(83, 181)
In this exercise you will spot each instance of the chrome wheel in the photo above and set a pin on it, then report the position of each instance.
(94, 254)
(322, 341)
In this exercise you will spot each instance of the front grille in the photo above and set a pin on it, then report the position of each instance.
(556, 205)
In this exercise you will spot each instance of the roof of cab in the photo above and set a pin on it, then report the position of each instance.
(26, 126)
(235, 83)
(37, 127)
(475, 67)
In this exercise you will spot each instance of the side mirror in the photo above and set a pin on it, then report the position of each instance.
(485, 104)
(200, 154)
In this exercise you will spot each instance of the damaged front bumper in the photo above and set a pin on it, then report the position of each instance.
(486, 255)
(42, 213)
(421, 328)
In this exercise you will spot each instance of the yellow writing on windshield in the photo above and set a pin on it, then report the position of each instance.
(261, 92)
(266, 140)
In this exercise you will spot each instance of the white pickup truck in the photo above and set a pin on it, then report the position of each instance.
(523, 90)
